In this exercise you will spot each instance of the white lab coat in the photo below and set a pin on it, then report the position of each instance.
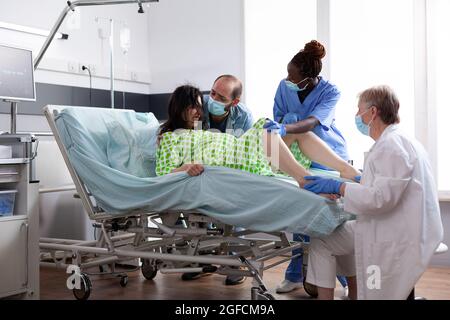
(398, 224)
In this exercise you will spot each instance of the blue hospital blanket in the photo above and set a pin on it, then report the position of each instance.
(113, 153)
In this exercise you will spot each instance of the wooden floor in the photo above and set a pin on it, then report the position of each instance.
(434, 285)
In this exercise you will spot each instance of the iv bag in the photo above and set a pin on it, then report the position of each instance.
(125, 39)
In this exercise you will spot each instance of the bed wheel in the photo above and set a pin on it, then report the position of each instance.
(148, 270)
(268, 296)
(85, 288)
(310, 289)
(259, 294)
(123, 281)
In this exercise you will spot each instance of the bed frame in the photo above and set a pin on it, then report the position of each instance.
(168, 242)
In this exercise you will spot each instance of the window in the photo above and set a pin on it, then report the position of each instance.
(440, 44)
(371, 43)
(404, 44)
(274, 32)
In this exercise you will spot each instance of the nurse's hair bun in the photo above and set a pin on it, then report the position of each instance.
(309, 59)
(314, 49)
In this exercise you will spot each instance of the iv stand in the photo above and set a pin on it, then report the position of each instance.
(72, 6)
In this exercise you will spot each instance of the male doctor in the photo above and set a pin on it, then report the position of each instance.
(398, 224)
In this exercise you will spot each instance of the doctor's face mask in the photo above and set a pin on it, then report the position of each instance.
(360, 125)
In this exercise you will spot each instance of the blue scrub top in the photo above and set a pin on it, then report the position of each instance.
(320, 103)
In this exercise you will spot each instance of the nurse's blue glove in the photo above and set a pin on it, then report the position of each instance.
(357, 179)
(290, 118)
(275, 126)
(322, 185)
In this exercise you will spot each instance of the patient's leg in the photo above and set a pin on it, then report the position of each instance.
(318, 151)
(281, 157)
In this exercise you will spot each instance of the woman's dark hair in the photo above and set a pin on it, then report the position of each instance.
(309, 59)
(183, 98)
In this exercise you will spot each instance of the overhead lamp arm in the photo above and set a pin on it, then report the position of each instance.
(72, 6)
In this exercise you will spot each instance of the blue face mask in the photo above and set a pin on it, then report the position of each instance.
(362, 127)
(294, 86)
(216, 108)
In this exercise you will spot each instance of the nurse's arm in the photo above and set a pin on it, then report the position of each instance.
(302, 126)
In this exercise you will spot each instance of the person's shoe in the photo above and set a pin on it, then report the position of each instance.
(232, 280)
(287, 286)
(188, 276)
(345, 291)
(345, 294)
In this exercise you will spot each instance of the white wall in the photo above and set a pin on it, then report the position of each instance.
(194, 41)
(84, 45)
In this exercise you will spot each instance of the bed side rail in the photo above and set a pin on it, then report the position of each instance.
(50, 112)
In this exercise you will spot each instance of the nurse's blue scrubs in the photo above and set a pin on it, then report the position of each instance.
(320, 103)
(290, 107)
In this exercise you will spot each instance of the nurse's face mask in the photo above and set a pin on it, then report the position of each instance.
(295, 86)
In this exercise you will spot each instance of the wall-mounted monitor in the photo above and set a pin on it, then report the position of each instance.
(16, 74)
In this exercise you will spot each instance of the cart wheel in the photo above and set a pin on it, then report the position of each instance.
(148, 270)
(123, 281)
(85, 288)
(268, 296)
(310, 289)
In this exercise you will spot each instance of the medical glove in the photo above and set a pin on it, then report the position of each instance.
(357, 179)
(322, 185)
(290, 118)
(275, 126)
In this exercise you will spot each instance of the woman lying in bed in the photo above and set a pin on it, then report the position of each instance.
(181, 148)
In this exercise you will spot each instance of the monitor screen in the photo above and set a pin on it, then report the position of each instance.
(16, 74)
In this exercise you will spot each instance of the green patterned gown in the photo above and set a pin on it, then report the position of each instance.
(218, 149)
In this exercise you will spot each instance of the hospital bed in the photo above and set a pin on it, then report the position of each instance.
(165, 221)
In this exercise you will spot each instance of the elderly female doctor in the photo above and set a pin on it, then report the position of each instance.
(398, 224)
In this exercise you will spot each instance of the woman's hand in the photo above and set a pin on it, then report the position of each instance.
(191, 169)
(158, 139)
(330, 196)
